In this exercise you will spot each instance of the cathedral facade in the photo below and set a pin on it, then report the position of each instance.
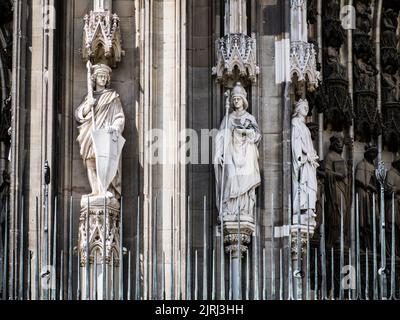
(199, 149)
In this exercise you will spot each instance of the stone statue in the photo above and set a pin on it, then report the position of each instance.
(237, 158)
(304, 166)
(337, 192)
(104, 111)
(366, 186)
(393, 188)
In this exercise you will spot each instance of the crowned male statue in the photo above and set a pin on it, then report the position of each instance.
(102, 121)
(236, 158)
(304, 166)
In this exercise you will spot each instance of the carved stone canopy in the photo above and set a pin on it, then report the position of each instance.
(102, 38)
(236, 60)
(303, 64)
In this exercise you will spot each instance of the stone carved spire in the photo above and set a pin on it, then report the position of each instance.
(102, 41)
(302, 54)
(235, 17)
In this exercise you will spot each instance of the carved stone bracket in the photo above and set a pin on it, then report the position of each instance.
(303, 239)
(102, 38)
(96, 230)
(231, 233)
(236, 59)
(303, 64)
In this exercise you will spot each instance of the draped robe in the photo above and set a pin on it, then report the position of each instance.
(108, 112)
(242, 172)
(304, 168)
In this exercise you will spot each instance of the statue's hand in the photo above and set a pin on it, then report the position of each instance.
(91, 101)
(112, 129)
(220, 160)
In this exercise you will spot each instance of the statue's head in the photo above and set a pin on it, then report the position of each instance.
(336, 144)
(301, 108)
(101, 76)
(371, 152)
(239, 97)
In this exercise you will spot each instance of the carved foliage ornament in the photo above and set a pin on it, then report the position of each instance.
(102, 38)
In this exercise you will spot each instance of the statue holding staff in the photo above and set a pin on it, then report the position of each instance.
(102, 122)
(236, 158)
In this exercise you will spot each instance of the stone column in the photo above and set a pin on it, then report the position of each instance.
(236, 55)
(165, 160)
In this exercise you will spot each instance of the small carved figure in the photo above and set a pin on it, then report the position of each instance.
(336, 192)
(366, 186)
(393, 189)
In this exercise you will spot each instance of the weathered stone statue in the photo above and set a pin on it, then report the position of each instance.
(366, 186)
(102, 111)
(304, 166)
(337, 192)
(239, 161)
(393, 188)
(102, 121)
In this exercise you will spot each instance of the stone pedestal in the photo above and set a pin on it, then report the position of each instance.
(235, 234)
(306, 232)
(104, 228)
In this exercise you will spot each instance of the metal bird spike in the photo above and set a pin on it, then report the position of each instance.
(381, 176)
(61, 293)
(273, 289)
(128, 293)
(308, 263)
(196, 278)
(137, 256)
(358, 251)
(121, 254)
(54, 275)
(264, 290)
(104, 255)
(280, 275)
(315, 274)
(87, 265)
(324, 292)
(247, 276)
(205, 275)
(290, 273)
(333, 276)
(230, 275)
(21, 254)
(366, 275)
(37, 283)
(341, 265)
(70, 250)
(5, 258)
(374, 251)
(214, 277)
(393, 255)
